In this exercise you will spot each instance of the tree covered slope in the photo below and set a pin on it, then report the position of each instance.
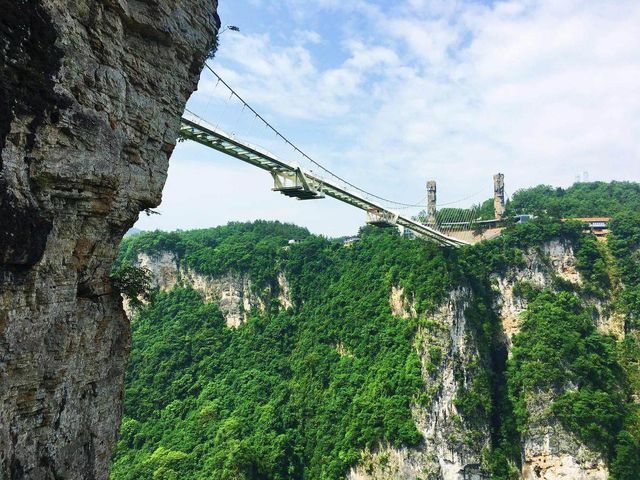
(292, 394)
(584, 199)
(299, 392)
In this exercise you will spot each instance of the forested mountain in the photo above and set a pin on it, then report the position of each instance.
(580, 200)
(583, 199)
(389, 358)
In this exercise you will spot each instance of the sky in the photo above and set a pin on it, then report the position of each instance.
(392, 94)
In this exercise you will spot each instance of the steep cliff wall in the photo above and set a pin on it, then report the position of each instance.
(554, 259)
(91, 94)
(549, 451)
(397, 360)
(233, 292)
(452, 448)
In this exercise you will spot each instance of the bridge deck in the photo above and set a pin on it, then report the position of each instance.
(194, 128)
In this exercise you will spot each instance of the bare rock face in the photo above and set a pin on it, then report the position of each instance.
(549, 451)
(451, 439)
(233, 292)
(446, 452)
(554, 258)
(91, 94)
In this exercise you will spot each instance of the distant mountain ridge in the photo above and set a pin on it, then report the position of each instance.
(584, 199)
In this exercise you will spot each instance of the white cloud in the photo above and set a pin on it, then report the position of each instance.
(284, 78)
(539, 89)
(542, 90)
(307, 36)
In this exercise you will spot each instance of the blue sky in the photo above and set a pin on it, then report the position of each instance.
(391, 94)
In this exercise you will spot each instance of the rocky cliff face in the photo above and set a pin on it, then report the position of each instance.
(91, 94)
(452, 448)
(539, 268)
(548, 451)
(233, 291)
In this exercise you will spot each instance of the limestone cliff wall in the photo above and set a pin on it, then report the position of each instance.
(91, 94)
(447, 451)
(549, 451)
(233, 292)
(539, 267)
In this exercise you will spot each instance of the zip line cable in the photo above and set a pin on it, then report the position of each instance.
(287, 141)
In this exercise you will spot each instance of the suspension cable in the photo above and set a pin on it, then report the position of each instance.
(461, 200)
(288, 142)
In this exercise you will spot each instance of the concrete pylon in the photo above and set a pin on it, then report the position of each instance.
(431, 201)
(498, 195)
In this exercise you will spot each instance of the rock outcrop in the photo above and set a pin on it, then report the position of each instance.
(456, 442)
(538, 269)
(91, 94)
(549, 451)
(233, 291)
(452, 448)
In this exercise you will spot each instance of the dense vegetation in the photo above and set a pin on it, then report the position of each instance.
(559, 348)
(293, 394)
(298, 392)
(254, 248)
(584, 199)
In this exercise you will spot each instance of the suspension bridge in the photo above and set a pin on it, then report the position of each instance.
(294, 181)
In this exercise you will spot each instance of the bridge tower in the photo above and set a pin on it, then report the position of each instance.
(498, 195)
(431, 202)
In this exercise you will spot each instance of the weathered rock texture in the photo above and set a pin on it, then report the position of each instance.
(452, 449)
(233, 292)
(549, 451)
(554, 259)
(454, 442)
(91, 94)
(539, 268)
